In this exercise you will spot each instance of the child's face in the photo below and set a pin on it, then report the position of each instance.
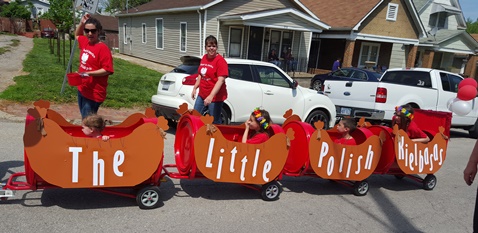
(253, 123)
(341, 127)
(87, 130)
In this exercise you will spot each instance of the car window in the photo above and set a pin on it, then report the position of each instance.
(450, 82)
(271, 76)
(342, 73)
(360, 75)
(410, 78)
(186, 69)
(241, 72)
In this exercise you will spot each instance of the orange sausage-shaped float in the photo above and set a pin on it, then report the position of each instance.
(67, 161)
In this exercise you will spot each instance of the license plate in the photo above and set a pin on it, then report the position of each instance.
(165, 86)
(345, 111)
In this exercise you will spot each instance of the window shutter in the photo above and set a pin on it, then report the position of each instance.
(392, 12)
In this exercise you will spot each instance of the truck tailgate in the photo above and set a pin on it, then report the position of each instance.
(351, 95)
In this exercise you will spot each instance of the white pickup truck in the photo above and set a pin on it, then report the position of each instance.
(422, 88)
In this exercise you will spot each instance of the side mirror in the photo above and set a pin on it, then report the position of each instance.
(295, 84)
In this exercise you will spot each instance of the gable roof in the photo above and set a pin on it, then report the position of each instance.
(109, 23)
(341, 14)
(156, 6)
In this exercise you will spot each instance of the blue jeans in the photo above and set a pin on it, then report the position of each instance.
(213, 108)
(87, 106)
(276, 62)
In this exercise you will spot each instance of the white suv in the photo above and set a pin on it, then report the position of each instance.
(250, 84)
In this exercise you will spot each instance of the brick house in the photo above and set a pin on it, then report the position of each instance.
(366, 34)
(163, 31)
(471, 69)
(110, 30)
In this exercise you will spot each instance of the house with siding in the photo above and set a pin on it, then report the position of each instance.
(163, 31)
(365, 34)
(447, 45)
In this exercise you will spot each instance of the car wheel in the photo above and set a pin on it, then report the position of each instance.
(318, 115)
(473, 131)
(226, 120)
(317, 85)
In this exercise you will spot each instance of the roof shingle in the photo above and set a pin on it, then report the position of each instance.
(340, 13)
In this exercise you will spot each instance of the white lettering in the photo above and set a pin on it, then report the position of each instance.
(74, 170)
(98, 170)
(267, 169)
(118, 159)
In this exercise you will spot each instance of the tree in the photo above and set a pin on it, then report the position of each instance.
(115, 6)
(60, 13)
(471, 27)
(15, 11)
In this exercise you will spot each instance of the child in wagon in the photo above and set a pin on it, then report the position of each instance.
(404, 119)
(345, 127)
(93, 125)
(259, 122)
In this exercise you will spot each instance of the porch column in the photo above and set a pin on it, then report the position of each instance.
(412, 54)
(428, 58)
(349, 53)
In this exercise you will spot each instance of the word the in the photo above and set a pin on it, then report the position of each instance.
(98, 165)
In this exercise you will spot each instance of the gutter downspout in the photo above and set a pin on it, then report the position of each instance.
(205, 29)
(200, 40)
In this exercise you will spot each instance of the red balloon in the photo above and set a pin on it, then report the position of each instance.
(467, 92)
(468, 81)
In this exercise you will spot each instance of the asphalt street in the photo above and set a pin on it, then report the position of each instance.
(308, 204)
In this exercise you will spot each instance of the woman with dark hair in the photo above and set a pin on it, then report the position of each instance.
(96, 64)
(211, 81)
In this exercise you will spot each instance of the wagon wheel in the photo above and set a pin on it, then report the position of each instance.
(148, 197)
(271, 191)
(399, 177)
(429, 182)
(361, 188)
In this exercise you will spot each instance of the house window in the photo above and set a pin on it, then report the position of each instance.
(368, 53)
(182, 37)
(275, 41)
(286, 42)
(159, 34)
(235, 43)
(143, 33)
(392, 12)
(125, 37)
(438, 20)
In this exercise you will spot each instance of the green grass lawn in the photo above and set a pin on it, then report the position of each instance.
(130, 86)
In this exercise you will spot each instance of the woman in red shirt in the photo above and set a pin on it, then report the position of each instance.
(259, 122)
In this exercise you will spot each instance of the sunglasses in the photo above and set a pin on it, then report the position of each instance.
(90, 30)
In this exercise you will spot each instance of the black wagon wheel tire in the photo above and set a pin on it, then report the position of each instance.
(399, 177)
(430, 182)
(361, 188)
(148, 197)
(271, 191)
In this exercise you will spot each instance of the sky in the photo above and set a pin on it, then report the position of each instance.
(470, 9)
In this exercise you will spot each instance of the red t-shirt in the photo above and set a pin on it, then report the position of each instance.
(210, 70)
(94, 57)
(258, 138)
(414, 132)
(344, 141)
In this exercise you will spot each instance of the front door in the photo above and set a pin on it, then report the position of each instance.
(255, 43)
